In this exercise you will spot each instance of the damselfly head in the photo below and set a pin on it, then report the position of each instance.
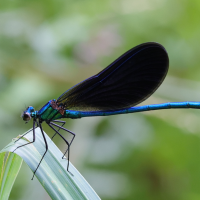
(26, 115)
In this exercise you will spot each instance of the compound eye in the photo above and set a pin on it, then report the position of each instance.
(26, 116)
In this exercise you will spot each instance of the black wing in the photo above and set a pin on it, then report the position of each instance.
(129, 80)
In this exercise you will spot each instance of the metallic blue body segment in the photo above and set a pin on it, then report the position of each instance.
(79, 114)
(47, 113)
(44, 108)
(73, 114)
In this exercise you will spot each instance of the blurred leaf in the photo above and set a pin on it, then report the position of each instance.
(52, 173)
(10, 164)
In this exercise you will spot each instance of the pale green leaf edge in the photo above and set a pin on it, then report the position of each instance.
(52, 173)
(10, 166)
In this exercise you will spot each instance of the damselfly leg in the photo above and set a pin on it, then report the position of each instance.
(34, 121)
(27, 132)
(50, 124)
(60, 127)
(46, 145)
(59, 121)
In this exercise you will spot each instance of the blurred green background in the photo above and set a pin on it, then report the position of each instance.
(47, 46)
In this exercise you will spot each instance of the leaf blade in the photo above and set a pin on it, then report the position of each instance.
(10, 166)
(52, 173)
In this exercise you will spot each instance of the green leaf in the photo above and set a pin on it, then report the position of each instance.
(52, 173)
(10, 165)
